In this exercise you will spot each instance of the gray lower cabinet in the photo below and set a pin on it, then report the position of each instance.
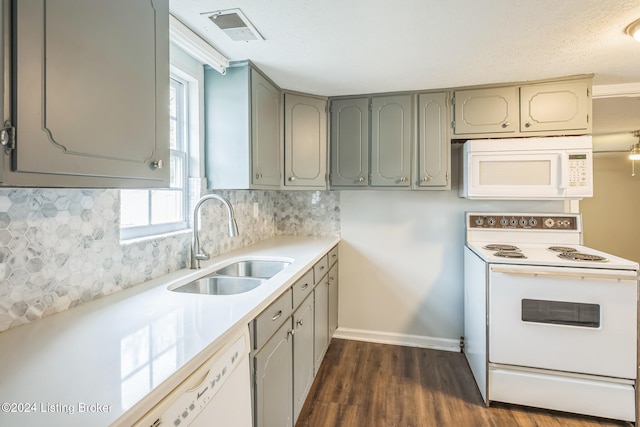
(333, 299)
(289, 339)
(89, 104)
(274, 380)
(391, 141)
(242, 129)
(305, 141)
(303, 372)
(321, 321)
(433, 156)
(349, 142)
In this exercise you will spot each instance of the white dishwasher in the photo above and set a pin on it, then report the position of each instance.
(218, 393)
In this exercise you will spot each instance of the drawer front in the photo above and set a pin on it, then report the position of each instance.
(333, 255)
(302, 288)
(320, 269)
(271, 318)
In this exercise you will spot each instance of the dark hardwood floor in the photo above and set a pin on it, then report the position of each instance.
(378, 385)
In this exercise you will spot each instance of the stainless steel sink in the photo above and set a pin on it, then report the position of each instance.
(264, 269)
(220, 285)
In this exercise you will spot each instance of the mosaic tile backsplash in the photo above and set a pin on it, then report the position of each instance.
(61, 247)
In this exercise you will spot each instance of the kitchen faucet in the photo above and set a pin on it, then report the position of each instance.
(196, 254)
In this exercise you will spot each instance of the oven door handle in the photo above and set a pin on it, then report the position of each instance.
(582, 275)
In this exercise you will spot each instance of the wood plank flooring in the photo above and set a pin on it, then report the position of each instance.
(377, 385)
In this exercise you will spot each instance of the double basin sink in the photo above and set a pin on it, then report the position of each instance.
(236, 278)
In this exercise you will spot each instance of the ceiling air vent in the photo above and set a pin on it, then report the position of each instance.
(235, 25)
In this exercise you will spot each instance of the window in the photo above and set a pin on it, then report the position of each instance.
(148, 212)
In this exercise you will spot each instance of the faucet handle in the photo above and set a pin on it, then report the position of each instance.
(202, 256)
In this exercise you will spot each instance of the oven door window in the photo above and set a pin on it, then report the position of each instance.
(561, 313)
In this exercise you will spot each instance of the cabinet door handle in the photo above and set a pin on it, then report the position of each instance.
(403, 179)
(277, 315)
(306, 285)
(158, 164)
(506, 125)
(292, 178)
(527, 125)
(426, 179)
(299, 322)
(321, 267)
(290, 333)
(258, 175)
(361, 179)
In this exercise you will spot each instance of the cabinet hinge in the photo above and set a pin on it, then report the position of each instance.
(453, 101)
(8, 136)
(330, 109)
(453, 124)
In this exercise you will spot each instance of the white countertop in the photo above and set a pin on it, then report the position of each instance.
(109, 361)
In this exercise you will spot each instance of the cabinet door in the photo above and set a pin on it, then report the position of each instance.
(273, 380)
(305, 141)
(434, 162)
(265, 132)
(91, 89)
(321, 321)
(350, 142)
(391, 141)
(302, 354)
(555, 106)
(333, 299)
(492, 110)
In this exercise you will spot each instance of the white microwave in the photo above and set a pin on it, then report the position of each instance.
(528, 168)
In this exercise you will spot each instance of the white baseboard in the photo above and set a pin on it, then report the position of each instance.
(398, 339)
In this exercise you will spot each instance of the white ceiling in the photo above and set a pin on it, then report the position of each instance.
(342, 47)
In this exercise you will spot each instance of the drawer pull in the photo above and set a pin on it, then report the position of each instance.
(277, 315)
(306, 285)
(299, 322)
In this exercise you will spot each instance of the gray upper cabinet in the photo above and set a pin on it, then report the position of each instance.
(433, 157)
(350, 142)
(491, 110)
(242, 129)
(305, 141)
(89, 103)
(391, 139)
(560, 107)
(265, 132)
(555, 107)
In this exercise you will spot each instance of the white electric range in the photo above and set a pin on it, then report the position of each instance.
(549, 322)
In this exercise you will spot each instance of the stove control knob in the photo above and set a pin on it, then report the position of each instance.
(533, 222)
(491, 221)
(479, 222)
(522, 222)
(513, 222)
(549, 223)
(504, 222)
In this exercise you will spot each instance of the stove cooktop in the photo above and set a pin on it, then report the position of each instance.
(545, 254)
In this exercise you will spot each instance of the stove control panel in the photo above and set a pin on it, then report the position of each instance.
(523, 222)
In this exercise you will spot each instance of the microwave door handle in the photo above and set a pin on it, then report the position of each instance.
(564, 170)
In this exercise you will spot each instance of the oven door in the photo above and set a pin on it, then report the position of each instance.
(567, 319)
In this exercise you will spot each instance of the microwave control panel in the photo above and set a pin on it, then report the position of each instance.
(578, 170)
(522, 222)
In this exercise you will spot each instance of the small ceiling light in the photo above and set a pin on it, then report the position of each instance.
(634, 29)
(634, 153)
